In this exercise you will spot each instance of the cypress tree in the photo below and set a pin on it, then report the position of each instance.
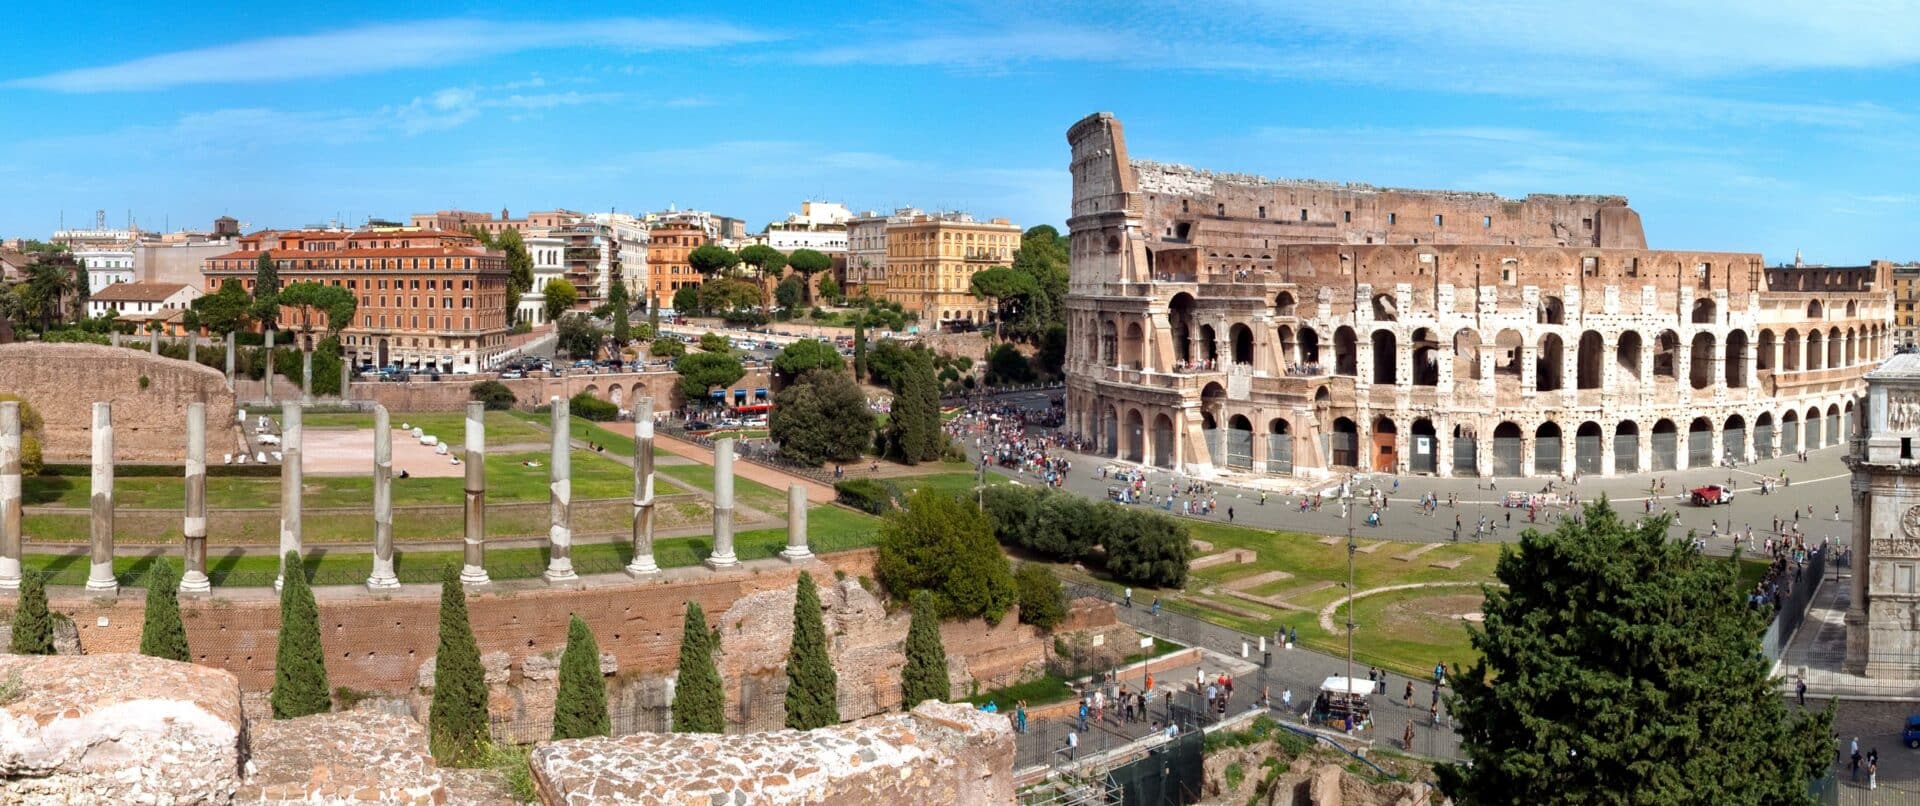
(32, 624)
(914, 423)
(812, 687)
(699, 701)
(163, 635)
(580, 708)
(925, 675)
(299, 670)
(457, 720)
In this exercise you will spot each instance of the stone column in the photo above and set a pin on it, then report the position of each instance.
(643, 562)
(723, 556)
(231, 344)
(115, 336)
(306, 376)
(153, 341)
(346, 378)
(268, 353)
(382, 577)
(100, 574)
(474, 568)
(796, 549)
(560, 498)
(194, 580)
(193, 348)
(291, 478)
(9, 495)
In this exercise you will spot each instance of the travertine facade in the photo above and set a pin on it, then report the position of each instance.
(1290, 327)
(1883, 606)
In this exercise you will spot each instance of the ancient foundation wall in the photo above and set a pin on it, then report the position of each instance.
(620, 388)
(62, 381)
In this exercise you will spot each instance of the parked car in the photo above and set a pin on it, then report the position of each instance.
(512, 375)
(1911, 735)
(1712, 494)
(699, 425)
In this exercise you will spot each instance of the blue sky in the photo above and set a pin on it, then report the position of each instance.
(1756, 126)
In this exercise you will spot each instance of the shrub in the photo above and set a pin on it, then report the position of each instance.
(588, 407)
(821, 416)
(580, 707)
(1042, 604)
(32, 624)
(457, 719)
(667, 348)
(494, 394)
(163, 635)
(1147, 549)
(925, 675)
(944, 545)
(867, 495)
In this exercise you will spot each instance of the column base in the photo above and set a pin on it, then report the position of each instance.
(719, 561)
(474, 575)
(383, 583)
(561, 573)
(642, 566)
(795, 554)
(195, 582)
(96, 586)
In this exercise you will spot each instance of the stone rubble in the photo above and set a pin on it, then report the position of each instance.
(346, 757)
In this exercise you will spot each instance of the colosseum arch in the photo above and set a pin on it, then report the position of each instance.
(1736, 361)
(1209, 344)
(1109, 344)
(1836, 427)
(1548, 363)
(1853, 309)
(1426, 353)
(1466, 354)
(1508, 349)
(1385, 309)
(1346, 352)
(1705, 312)
(1763, 360)
(1553, 311)
(1284, 304)
(1547, 449)
(1702, 357)
(1136, 436)
(1789, 432)
(1816, 427)
(1424, 434)
(1791, 360)
(1850, 423)
(1666, 356)
(1590, 367)
(1700, 442)
(1626, 447)
(1279, 446)
(1162, 440)
(1733, 438)
(1309, 346)
(1345, 445)
(1626, 354)
(1814, 311)
(1586, 449)
(1133, 347)
(1666, 445)
(1834, 347)
(1763, 429)
(1180, 321)
(1384, 458)
(1241, 338)
(1289, 349)
(1386, 357)
(1507, 449)
(1239, 443)
(1851, 352)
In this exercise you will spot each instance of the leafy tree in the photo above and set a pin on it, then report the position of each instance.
(944, 545)
(887, 362)
(622, 310)
(333, 302)
(715, 343)
(580, 707)
(494, 394)
(686, 301)
(1052, 357)
(32, 624)
(723, 294)
(809, 262)
(1006, 365)
(764, 259)
(266, 291)
(1146, 548)
(587, 407)
(224, 311)
(1618, 666)
(163, 635)
(457, 719)
(789, 293)
(806, 354)
(653, 319)
(299, 665)
(813, 698)
(913, 426)
(830, 290)
(699, 698)
(859, 351)
(1042, 604)
(31, 460)
(47, 287)
(712, 260)
(1008, 289)
(925, 675)
(577, 335)
(558, 296)
(821, 416)
(702, 371)
(666, 347)
(519, 268)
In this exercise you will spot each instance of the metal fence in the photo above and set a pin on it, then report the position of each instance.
(1793, 606)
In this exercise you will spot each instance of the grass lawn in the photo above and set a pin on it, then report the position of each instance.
(594, 476)
(585, 431)
(450, 426)
(746, 491)
(1049, 688)
(829, 528)
(951, 483)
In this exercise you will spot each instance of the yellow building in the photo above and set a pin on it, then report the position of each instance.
(931, 260)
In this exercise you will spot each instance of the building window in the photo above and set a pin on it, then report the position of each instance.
(1220, 208)
(1439, 220)
(1392, 219)
(1486, 222)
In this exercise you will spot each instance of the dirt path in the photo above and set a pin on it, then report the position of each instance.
(1326, 613)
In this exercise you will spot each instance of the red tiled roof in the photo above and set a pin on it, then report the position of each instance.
(137, 292)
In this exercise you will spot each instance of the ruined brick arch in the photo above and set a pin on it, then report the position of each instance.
(1834, 348)
(616, 396)
(1241, 337)
(1666, 356)
(592, 390)
(1386, 356)
(1736, 359)
(1627, 352)
(1509, 350)
(1814, 311)
(1590, 361)
(1552, 311)
(1209, 344)
(1549, 361)
(1284, 304)
(1346, 352)
(1466, 355)
(1701, 355)
(1424, 357)
(1763, 357)
(640, 391)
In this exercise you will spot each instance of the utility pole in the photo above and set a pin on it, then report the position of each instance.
(1346, 494)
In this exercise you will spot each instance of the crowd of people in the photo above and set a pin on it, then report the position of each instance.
(1006, 436)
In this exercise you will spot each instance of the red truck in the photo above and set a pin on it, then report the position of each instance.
(1712, 494)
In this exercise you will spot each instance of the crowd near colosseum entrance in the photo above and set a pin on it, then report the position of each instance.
(1222, 321)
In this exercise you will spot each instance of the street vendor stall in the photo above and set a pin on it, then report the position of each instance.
(1344, 703)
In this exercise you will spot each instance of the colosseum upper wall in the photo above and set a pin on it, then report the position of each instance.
(1543, 338)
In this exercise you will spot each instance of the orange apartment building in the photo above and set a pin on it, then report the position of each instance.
(668, 246)
(431, 300)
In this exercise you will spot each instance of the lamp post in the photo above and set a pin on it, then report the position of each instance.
(1346, 495)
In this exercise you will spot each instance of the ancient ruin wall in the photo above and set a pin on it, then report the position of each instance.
(62, 381)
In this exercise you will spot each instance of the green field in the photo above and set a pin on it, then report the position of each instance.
(829, 529)
(508, 479)
(450, 426)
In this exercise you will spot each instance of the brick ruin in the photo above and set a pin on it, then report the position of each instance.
(1224, 321)
(60, 380)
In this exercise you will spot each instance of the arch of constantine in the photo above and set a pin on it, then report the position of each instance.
(1303, 328)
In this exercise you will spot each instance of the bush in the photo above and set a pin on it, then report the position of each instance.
(867, 495)
(714, 343)
(163, 635)
(32, 624)
(1142, 547)
(1042, 604)
(580, 706)
(699, 697)
(821, 416)
(942, 544)
(588, 407)
(457, 718)
(924, 677)
(1147, 549)
(494, 394)
(1005, 365)
(665, 347)
(299, 667)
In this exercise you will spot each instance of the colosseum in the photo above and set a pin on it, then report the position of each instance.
(1231, 322)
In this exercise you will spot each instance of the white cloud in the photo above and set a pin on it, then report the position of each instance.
(380, 48)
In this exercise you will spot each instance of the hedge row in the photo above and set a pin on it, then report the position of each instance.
(1140, 547)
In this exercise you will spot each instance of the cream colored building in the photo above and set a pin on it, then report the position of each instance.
(931, 260)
